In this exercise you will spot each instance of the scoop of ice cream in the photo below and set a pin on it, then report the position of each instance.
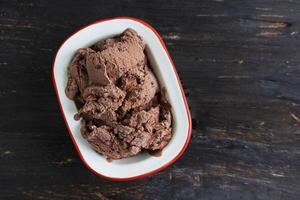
(147, 129)
(140, 89)
(132, 136)
(106, 143)
(78, 78)
(116, 58)
(101, 104)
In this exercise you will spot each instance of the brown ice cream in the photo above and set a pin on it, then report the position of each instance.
(118, 97)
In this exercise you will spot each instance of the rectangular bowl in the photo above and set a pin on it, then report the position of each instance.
(142, 164)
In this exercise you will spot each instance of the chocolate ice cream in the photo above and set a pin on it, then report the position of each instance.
(124, 110)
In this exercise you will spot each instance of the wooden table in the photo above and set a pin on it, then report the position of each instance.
(239, 62)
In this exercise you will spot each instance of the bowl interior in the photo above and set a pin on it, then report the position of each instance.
(164, 71)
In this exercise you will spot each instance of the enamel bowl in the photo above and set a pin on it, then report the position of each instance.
(143, 164)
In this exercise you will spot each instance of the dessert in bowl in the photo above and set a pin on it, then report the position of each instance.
(125, 111)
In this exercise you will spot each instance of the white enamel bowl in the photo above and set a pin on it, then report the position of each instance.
(143, 164)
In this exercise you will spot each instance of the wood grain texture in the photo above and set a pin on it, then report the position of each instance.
(239, 63)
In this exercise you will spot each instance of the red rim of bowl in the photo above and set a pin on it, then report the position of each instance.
(182, 93)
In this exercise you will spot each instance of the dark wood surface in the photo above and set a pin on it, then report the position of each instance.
(239, 63)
